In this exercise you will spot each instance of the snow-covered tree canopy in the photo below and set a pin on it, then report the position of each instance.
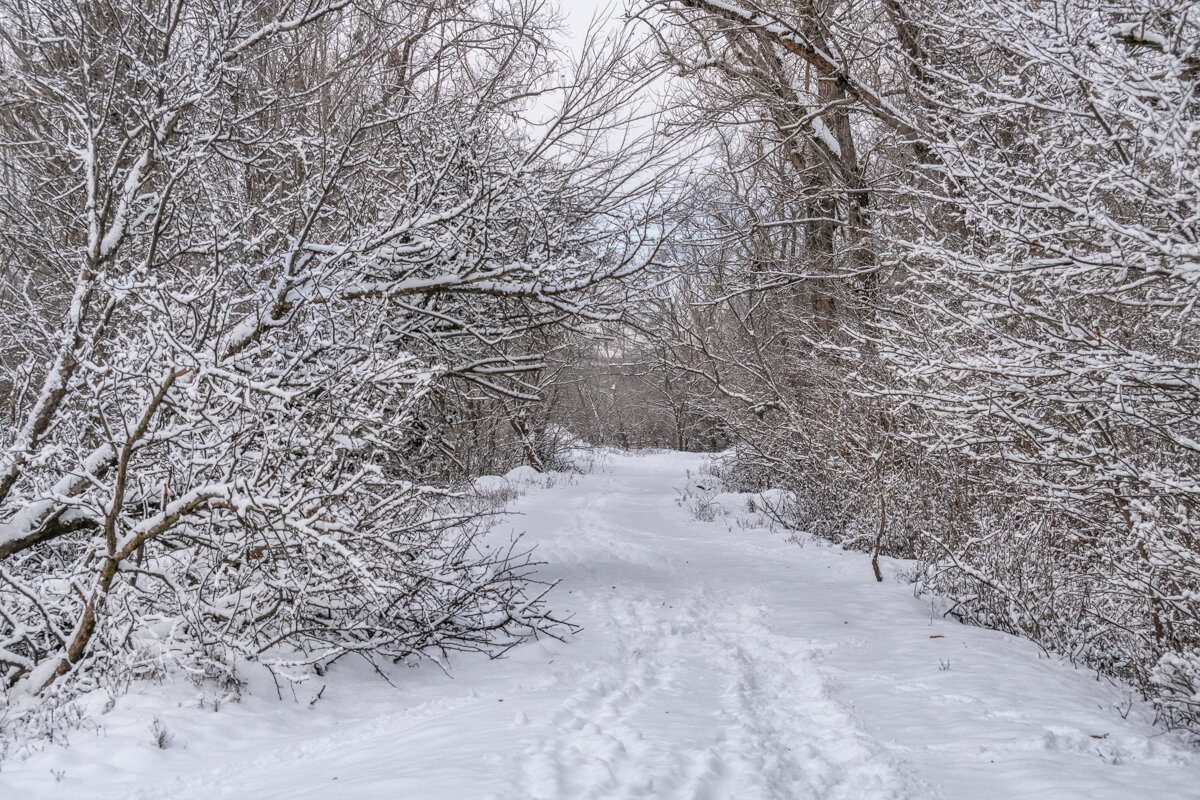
(251, 252)
(943, 286)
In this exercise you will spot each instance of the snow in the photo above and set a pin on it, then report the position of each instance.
(715, 660)
(27, 519)
(492, 484)
(523, 475)
(510, 484)
(826, 135)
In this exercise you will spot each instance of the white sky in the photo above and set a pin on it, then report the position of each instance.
(579, 14)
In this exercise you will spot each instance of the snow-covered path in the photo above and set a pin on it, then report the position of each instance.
(713, 663)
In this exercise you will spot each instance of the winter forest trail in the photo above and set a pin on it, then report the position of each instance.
(713, 662)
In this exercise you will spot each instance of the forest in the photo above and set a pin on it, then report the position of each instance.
(280, 279)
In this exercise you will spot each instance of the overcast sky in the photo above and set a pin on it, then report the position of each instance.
(579, 13)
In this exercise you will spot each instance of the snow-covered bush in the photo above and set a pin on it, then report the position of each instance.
(253, 254)
(945, 291)
(1052, 341)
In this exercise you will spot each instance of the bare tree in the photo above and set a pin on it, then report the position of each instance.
(254, 254)
(1012, 396)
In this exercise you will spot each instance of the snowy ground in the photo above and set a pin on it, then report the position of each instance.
(713, 663)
